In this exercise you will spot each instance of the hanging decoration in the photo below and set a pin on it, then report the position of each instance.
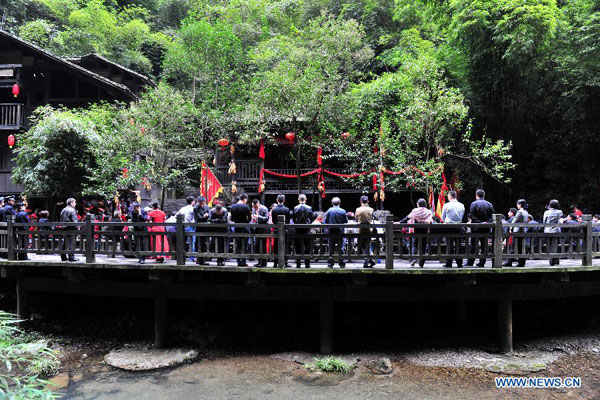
(232, 168)
(261, 150)
(375, 183)
(146, 183)
(232, 150)
(125, 173)
(11, 141)
(290, 136)
(320, 156)
(233, 187)
(261, 181)
(381, 185)
(345, 135)
(16, 90)
(223, 142)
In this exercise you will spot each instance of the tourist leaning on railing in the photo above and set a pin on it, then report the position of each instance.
(364, 215)
(520, 218)
(23, 218)
(553, 215)
(335, 215)
(218, 215)
(453, 212)
(280, 209)
(201, 211)
(480, 212)
(419, 215)
(260, 217)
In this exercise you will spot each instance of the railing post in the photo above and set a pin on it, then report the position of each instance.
(89, 239)
(389, 241)
(180, 240)
(587, 240)
(281, 240)
(10, 237)
(497, 246)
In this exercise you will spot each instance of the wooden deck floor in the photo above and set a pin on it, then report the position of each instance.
(400, 266)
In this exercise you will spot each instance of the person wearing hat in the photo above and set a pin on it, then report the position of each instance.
(138, 216)
(9, 208)
(23, 238)
(2, 214)
(68, 214)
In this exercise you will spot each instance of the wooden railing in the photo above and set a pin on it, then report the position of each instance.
(248, 176)
(11, 115)
(387, 242)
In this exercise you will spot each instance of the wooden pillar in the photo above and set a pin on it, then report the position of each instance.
(497, 261)
(505, 328)
(22, 301)
(89, 239)
(160, 322)
(10, 238)
(326, 326)
(180, 240)
(389, 241)
(587, 240)
(281, 240)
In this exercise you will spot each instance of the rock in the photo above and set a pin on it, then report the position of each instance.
(382, 366)
(148, 359)
(77, 377)
(60, 381)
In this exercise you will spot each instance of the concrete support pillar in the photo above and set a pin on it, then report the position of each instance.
(505, 328)
(326, 325)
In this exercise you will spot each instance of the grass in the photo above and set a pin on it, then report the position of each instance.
(329, 364)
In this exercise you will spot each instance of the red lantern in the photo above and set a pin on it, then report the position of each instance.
(125, 173)
(345, 135)
(223, 142)
(290, 136)
(11, 141)
(16, 90)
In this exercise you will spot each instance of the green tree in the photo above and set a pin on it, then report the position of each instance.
(55, 156)
(174, 141)
(38, 32)
(301, 78)
(417, 122)
(208, 56)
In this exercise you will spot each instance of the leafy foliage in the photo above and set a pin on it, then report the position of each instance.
(23, 362)
(509, 86)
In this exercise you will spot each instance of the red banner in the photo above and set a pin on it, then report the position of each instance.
(210, 187)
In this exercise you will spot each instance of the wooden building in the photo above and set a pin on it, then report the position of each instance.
(42, 78)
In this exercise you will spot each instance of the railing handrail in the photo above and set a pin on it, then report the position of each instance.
(495, 240)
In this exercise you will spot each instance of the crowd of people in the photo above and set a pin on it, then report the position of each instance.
(252, 220)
